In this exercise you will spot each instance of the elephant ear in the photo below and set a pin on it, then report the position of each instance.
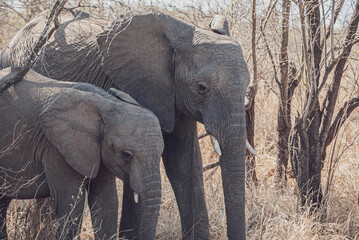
(219, 24)
(72, 123)
(138, 54)
(123, 96)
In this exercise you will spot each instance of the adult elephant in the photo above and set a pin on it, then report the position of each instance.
(181, 73)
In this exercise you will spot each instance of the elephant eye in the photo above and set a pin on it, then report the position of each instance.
(127, 155)
(202, 88)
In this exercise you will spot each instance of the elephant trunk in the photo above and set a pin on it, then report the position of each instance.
(232, 164)
(149, 200)
(231, 136)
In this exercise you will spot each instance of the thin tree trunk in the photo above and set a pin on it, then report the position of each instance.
(314, 130)
(250, 158)
(283, 117)
(250, 112)
(309, 161)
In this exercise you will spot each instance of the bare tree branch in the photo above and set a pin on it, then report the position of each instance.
(343, 114)
(307, 61)
(250, 112)
(332, 94)
(46, 34)
(254, 57)
(270, 57)
(335, 15)
(4, 4)
(210, 166)
(264, 21)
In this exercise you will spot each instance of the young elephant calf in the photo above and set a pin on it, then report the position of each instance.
(63, 139)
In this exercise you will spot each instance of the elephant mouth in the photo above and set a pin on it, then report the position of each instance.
(217, 147)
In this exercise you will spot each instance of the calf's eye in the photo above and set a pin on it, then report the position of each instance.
(203, 88)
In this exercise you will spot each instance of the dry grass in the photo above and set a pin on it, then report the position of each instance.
(271, 213)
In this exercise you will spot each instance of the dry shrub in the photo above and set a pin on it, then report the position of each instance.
(272, 213)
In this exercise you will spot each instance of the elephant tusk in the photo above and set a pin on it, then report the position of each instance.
(135, 197)
(217, 148)
(250, 148)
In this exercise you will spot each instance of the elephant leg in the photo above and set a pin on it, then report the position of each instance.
(69, 210)
(130, 217)
(103, 204)
(183, 163)
(68, 188)
(4, 203)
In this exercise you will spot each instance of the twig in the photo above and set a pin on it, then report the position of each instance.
(210, 166)
(332, 94)
(14, 10)
(46, 34)
(203, 135)
(264, 22)
(342, 115)
(254, 28)
(271, 58)
(325, 42)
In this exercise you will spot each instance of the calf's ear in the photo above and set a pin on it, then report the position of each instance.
(72, 123)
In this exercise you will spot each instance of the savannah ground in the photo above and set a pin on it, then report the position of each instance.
(271, 212)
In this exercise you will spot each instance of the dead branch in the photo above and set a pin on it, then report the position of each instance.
(250, 95)
(307, 62)
(333, 20)
(343, 114)
(203, 135)
(270, 57)
(254, 58)
(293, 80)
(250, 107)
(333, 91)
(45, 35)
(210, 166)
(264, 22)
(5, 5)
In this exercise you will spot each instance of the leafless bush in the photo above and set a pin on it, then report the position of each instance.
(271, 212)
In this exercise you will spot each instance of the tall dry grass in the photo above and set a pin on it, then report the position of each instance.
(271, 213)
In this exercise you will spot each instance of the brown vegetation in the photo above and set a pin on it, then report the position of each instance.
(272, 212)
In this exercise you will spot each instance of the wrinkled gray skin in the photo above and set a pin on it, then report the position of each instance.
(181, 73)
(73, 138)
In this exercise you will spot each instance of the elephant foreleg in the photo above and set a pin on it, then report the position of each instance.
(69, 211)
(103, 204)
(4, 203)
(183, 163)
(68, 188)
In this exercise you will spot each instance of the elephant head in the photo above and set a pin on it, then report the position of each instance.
(92, 127)
(168, 65)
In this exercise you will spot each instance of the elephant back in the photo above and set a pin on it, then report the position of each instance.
(71, 54)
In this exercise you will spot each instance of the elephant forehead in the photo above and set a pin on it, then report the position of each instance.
(136, 114)
(224, 66)
(218, 74)
(136, 137)
(136, 124)
(226, 53)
